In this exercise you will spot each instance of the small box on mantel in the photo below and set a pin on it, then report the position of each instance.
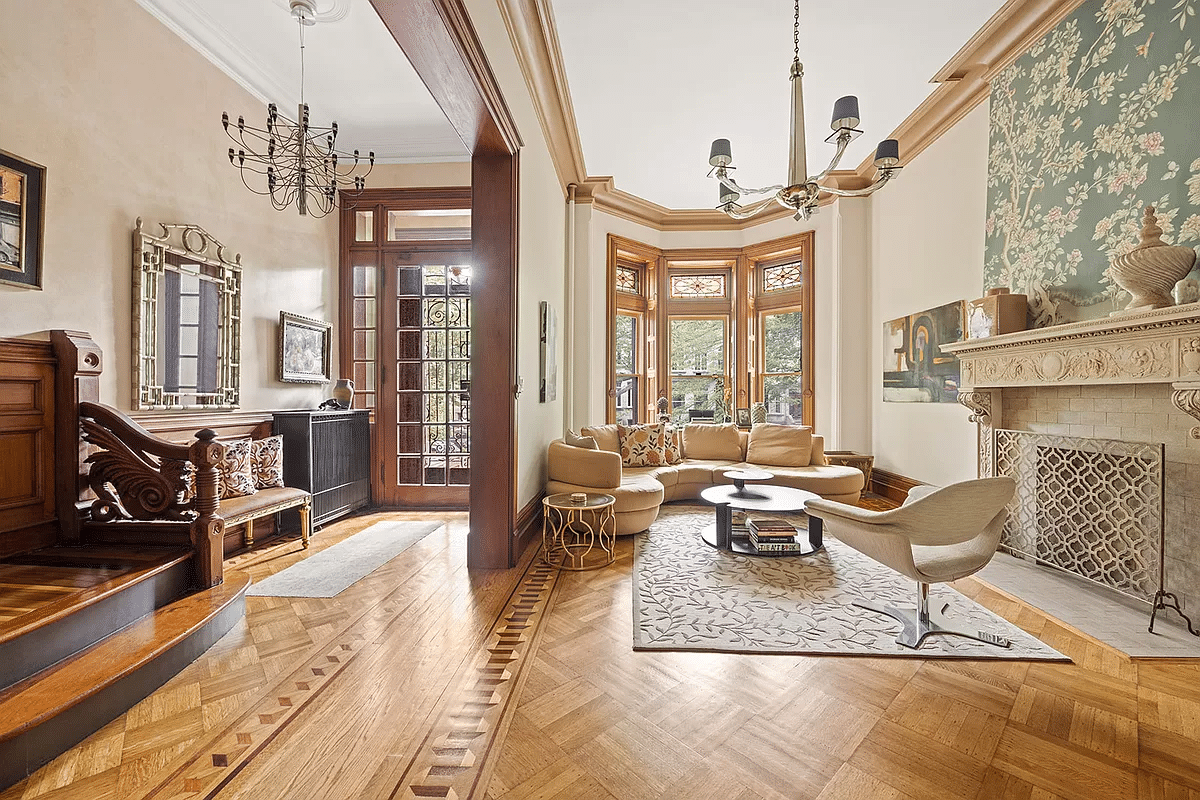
(998, 312)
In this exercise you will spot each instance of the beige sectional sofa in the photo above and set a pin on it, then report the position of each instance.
(717, 449)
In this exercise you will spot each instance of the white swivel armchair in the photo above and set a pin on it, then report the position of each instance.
(938, 535)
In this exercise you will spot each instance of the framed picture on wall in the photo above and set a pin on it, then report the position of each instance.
(304, 349)
(547, 360)
(22, 218)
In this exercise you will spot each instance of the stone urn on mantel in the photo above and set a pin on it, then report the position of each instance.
(1150, 271)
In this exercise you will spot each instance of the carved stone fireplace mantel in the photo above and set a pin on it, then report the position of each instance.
(1159, 346)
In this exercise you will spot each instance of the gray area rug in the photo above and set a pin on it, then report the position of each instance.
(690, 596)
(331, 571)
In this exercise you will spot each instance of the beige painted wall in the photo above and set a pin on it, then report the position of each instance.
(926, 249)
(446, 173)
(541, 257)
(127, 120)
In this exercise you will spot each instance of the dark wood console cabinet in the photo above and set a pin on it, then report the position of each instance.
(327, 453)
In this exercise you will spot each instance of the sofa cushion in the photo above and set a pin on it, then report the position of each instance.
(668, 475)
(636, 493)
(605, 435)
(827, 481)
(575, 440)
(674, 446)
(711, 442)
(694, 470)
(642, 445)
(779, 445)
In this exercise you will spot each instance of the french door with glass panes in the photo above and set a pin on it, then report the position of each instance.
(423, 417)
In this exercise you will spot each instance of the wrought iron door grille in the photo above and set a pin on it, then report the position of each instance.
(435, 406)
(1092, 507)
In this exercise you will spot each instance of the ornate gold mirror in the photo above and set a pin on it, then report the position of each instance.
(187, 309)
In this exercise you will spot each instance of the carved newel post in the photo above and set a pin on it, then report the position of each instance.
(208, 530)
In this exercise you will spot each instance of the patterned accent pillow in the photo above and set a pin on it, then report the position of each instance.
(642, 445)
(236, 476)
(266, 462)
(673, 451)
(182, 474)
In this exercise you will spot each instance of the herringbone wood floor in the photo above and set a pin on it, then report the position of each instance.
(425, 679)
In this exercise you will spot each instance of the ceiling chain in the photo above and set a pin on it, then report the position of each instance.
(796, 33)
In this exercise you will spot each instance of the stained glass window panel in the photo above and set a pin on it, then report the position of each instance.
(783, 276)
(627, 280)
(697, 286)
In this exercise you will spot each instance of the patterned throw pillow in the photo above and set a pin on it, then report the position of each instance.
(642, 445)
(237, 478)
(266, 462)
(673, 452)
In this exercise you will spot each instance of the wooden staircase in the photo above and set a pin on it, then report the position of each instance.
(87, 632)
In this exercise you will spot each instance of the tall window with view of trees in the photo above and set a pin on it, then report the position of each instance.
(698, 371)
(734, 329)
(628, 374)
(782, 367)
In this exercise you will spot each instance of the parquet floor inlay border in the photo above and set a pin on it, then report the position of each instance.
(454, 758)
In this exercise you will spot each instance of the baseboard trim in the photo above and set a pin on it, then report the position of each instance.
(526, 528)
(890, 485)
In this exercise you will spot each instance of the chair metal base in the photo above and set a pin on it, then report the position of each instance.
(922, 621)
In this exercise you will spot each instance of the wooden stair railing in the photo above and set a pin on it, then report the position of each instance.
(137, 476)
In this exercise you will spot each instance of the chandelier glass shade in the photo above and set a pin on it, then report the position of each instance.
(802, 192)
(292, 161)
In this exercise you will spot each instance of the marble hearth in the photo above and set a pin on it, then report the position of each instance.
(1133, 377)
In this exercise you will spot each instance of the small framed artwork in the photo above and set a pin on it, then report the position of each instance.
(22, 217)
(304, 349)
(547, 359)
(741, 417)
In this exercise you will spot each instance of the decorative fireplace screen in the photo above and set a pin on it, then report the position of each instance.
(1092, 507)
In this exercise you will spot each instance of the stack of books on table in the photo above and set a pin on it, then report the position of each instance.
(772, 535)
(738, 527)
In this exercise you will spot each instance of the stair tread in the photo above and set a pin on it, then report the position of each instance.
(40, 697)
(139, 566)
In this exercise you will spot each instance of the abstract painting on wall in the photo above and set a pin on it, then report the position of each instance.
(915, 370)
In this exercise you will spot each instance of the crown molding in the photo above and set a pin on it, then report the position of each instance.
(534, 35)
(964, 84)
(188, 20)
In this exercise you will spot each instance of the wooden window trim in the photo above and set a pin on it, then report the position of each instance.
(743, 307)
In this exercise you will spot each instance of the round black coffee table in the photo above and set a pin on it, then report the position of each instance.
(763, 498)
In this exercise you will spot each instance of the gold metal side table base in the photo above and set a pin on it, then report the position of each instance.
(579, 536)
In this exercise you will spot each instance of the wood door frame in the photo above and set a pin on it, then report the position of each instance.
(405, 495)
(439, 41)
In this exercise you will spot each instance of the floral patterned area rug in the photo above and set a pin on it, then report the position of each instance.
(690, 596)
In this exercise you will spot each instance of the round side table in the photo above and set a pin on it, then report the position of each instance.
(578, 535)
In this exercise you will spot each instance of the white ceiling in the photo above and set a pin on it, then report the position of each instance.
(653, 82)
(355, 73)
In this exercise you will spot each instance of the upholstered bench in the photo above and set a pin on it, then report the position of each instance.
(264, 503)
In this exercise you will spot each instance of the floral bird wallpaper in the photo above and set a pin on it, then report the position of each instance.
(1098, 120)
